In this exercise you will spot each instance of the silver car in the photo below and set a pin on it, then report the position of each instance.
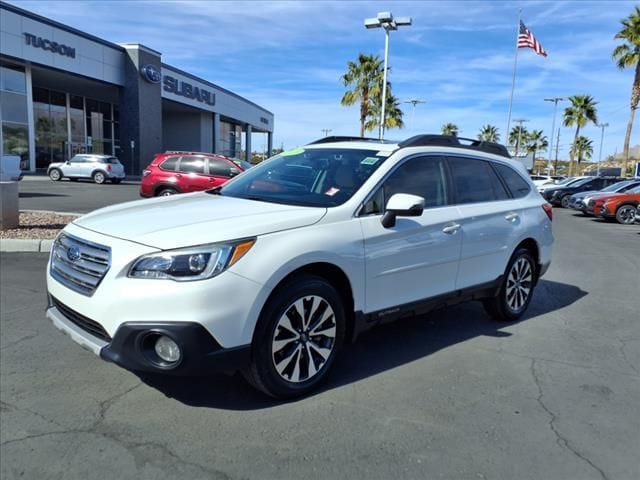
(99, 168)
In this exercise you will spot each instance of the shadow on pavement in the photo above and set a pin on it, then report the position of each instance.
(40, 194)
(381, 349)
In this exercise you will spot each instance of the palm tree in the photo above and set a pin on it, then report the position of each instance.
(392, 112)
(489, 133)
(366, 78)
(518, 136)
(536, 141)
(627, 55)
(450, 129)
(581, 111)
(583, 149)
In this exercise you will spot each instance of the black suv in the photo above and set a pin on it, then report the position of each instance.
(560, 195)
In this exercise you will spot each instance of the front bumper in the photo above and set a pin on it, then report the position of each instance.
(132, 345)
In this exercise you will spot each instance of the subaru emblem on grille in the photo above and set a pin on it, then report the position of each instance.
(73, 253)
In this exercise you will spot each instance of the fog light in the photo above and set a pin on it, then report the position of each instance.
(167, 349)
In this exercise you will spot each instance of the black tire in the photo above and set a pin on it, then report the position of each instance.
(165, 192)
(116, 181)
(564, 201)
(99, 177)
(511, 303)
(626, 214)
(55, 174)
(287, 371)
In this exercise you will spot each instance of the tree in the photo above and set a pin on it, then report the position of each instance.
(536, 141)
(627, 55)
(450, 129)
(392, 112)
(489, 133)
(365, 77)
(581, 111)
(583, 149)
(518, 136)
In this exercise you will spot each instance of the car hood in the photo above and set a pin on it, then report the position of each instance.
(195, 219)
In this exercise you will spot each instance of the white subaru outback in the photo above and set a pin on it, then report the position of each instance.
(273, 272)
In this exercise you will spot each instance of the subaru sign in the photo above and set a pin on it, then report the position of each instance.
(151, 74)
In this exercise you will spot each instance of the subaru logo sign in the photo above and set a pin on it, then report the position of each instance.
(73, 253)
(151, 74)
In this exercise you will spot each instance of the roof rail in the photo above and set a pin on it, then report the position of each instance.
(183, 152)
(333, 139)
(453, 141)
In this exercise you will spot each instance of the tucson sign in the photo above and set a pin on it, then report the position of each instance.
(45, 44)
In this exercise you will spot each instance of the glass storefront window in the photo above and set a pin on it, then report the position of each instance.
(14, 119)
(12, 80)
(15, 139)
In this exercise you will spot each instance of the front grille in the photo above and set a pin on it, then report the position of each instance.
(86, 324)
(78, 264)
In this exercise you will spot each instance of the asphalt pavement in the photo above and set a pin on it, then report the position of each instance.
(450, 395)
(82, 196)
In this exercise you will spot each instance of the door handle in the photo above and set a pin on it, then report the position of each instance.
(511, 217)
(451, 228)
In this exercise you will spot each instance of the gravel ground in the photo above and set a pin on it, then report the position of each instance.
(38, 226)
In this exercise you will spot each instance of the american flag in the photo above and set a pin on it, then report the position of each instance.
(527, 40)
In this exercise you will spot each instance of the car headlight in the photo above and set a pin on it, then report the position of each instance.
(189, 264)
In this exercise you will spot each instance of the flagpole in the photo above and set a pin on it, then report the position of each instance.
(513, 81)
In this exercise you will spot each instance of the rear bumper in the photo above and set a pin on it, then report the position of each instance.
(132, 346)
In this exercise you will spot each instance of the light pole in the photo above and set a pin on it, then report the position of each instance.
(414, 102)
(602, 126)
(386, 21)
(555, 100)
(520, 121)
(326, 131)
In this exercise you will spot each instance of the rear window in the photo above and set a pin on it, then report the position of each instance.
(475, 181)
(191, 164)
(170, 164)
(111, 160)
(515, 183)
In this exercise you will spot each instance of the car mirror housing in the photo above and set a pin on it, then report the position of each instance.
(402, 205)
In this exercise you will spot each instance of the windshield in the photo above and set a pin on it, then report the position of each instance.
(634, 190)
(314, 177)
(580, 181)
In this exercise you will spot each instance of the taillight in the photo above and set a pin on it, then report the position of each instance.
(109, 167)
(548, 209)
(146, 172)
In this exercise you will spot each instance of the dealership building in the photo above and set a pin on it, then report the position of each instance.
(63, 91)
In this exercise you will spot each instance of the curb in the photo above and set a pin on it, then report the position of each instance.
(18, 245)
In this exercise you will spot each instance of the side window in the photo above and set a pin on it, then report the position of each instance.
(219, 168)
(77, 159)
(516, 184)
(170, 164)
(190, 164)
(475, 181)
(422, 176)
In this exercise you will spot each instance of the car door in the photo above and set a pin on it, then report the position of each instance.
(74, 167)
(192, 177)
(490, 219)
(220, 171)
(418, 257)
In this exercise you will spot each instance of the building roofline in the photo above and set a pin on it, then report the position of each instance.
(213, 85)
(62, 26)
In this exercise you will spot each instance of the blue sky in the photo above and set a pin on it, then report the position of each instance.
(288, 56)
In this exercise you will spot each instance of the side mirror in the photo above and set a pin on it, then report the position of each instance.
(402, 205)
(233, 172)
(68, 162)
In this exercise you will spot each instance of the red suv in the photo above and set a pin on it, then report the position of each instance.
(181, 172)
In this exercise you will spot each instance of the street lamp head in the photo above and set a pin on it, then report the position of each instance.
(554, 99)
(372, 23)
(385, 17)
(403, 21)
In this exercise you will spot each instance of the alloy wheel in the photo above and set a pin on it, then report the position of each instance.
(626, 214)
(303, 339)
(519, 283)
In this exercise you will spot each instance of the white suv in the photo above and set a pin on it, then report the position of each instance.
(98, 168)
(271, 273)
